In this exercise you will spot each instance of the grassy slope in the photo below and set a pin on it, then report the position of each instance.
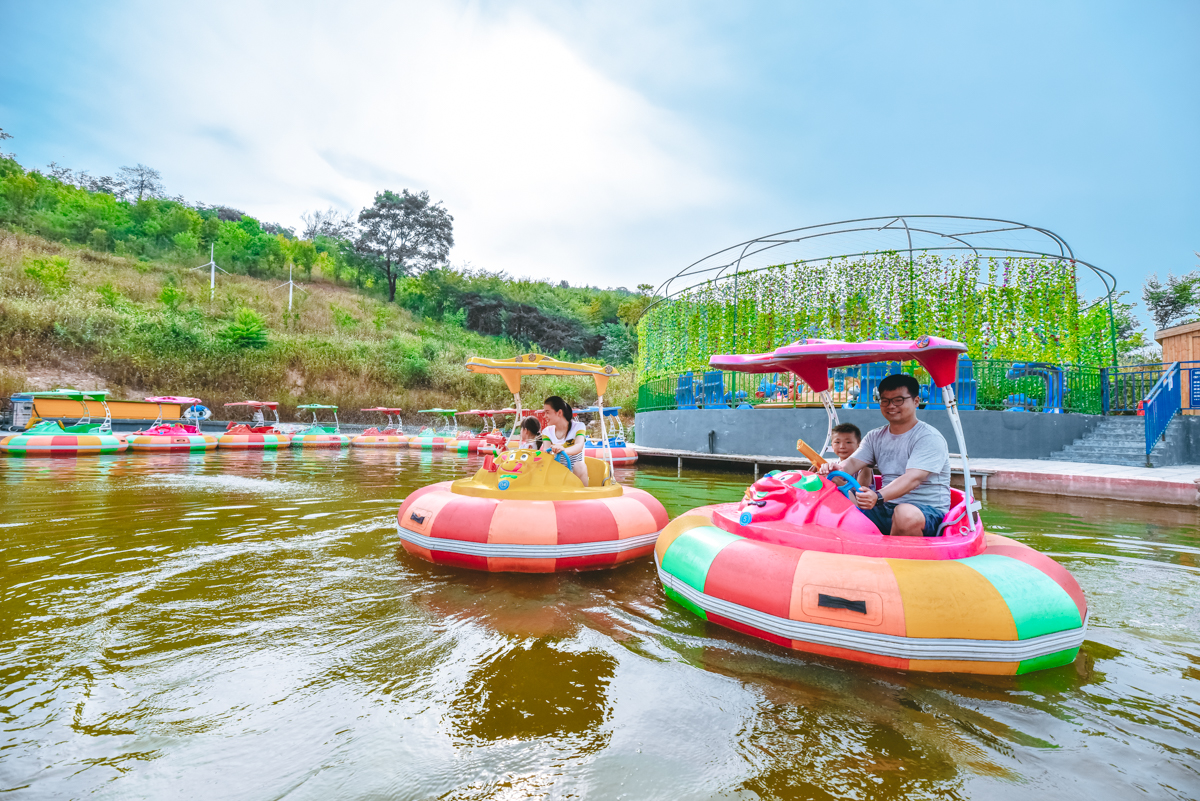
(341, 347)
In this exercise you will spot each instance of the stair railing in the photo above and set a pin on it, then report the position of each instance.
(1162, 404)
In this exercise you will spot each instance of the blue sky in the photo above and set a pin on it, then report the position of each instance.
(614, 143)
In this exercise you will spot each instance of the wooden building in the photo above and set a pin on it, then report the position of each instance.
(1182, 344)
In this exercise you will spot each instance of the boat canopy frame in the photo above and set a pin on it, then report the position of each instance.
(160, 400)
(514, 369)
(387, 412)
(312, 407)
(259, 406)
(812, 359)
(81, 397)
(449, 420)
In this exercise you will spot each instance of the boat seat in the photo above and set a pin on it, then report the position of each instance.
(597, 470)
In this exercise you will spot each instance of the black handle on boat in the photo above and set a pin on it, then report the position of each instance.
(834, 602)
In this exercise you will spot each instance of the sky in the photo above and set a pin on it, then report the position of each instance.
(614, 143)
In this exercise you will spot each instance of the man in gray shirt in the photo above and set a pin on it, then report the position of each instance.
(914, 460)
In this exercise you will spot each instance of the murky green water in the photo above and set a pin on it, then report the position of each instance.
(244, 626)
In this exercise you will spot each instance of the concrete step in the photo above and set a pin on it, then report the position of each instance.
(1124, 462)
(1116, 441)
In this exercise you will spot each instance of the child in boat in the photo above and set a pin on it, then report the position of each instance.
(565, 434)
(846, 439)
(530, 433)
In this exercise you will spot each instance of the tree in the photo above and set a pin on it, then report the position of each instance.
(331, 223)
(4, 135)
(632, 309)
(1178, 299)
(143, 180)
(404, 232)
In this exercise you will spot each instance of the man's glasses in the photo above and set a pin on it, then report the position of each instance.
(894, 401)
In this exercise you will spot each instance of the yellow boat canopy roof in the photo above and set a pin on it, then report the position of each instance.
(539, 364)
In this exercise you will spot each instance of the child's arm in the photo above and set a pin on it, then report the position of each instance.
(866, 477)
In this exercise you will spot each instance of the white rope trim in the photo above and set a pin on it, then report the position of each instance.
(526, 551)
(876, 643)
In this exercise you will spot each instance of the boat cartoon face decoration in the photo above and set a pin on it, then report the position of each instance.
(526, 469)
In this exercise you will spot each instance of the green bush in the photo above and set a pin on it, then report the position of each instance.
(248, 330)
(51, 273)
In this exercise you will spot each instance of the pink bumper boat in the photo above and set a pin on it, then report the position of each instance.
(797, 564)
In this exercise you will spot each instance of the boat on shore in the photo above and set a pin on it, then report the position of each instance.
(622, 452)
(318, 434)
(257, 435)
(52, 438)
(437, 436)
(174, 437)
(390, 436)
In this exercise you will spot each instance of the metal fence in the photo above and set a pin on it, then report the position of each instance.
(1162, 404)
(996, 384)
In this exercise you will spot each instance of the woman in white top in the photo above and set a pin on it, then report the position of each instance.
(565, 434)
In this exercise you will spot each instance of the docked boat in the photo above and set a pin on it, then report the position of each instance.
(258, 434)
(175, 437)
(438, 436)
(318, 434)
(390, 436)
(52, 438)
(622, 452)
(796, 563)
(489, 439)
(526, 511)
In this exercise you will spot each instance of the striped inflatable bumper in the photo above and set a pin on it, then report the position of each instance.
(61, 444)
(515, 536)
(380, 441)
(1009, 610)
(320, 440)
(253, 442)
(620, 456)
(429, 443)
(171, 443)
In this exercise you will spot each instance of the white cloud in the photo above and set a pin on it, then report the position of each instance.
(550, 167)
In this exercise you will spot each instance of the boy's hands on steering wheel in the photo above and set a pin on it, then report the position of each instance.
(828, 468)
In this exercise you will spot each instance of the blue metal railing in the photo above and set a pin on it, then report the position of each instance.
(1161, 406)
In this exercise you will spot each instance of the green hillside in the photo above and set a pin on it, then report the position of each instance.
(96, 287)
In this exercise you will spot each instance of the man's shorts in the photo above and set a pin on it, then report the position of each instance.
(881, 515)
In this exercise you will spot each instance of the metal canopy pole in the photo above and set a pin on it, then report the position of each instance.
(831, 414)
(604, 438)
(973, 505)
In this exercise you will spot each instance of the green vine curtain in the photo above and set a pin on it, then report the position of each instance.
(1000, 308)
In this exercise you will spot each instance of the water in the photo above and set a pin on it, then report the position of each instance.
(245, 626)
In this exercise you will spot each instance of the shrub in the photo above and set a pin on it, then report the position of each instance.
(110, 296)
(51, 273)
(342, 318)
(172, 296)
(248, 330)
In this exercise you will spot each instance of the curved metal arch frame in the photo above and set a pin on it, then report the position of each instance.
(909, 225)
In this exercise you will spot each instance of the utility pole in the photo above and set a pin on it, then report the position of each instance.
(290, 285)
(212, 272)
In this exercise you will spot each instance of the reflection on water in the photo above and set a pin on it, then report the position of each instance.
(244, 625)
(533, 690)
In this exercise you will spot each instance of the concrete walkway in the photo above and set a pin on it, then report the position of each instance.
(1176, 486)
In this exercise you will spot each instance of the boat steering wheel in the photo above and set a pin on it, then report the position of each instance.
(849, 482)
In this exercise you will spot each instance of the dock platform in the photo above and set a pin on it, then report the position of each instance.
(1172, 486)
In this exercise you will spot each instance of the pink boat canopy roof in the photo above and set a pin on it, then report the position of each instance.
(812, 359)
(172, 399)
(256, 404)
(382, 410)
